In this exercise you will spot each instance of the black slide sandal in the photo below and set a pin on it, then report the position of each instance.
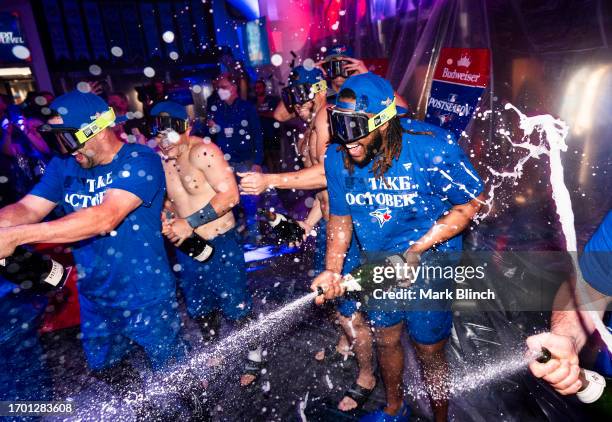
(359, 394)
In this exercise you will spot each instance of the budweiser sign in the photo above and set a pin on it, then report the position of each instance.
(466, 66)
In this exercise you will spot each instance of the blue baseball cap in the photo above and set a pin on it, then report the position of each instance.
(77, 109)
(373, 93)
(300, 75)
(171, 108)
(338, 50)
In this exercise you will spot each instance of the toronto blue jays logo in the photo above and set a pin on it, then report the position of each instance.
(382, 215)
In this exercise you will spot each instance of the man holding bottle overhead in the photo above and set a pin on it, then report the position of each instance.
(112, 194)
(202, 191)
(405, 193)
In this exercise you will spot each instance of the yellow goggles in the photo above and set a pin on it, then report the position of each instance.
(349, 126)
(67, 140)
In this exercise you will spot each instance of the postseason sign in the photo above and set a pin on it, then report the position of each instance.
(460, 79)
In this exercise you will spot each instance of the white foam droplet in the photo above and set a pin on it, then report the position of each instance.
(196, 89)
(84, 87)
(149, 72)
(309, 64)
(40, 100)
(95, 70)
(276, 59)
(173, 55)
(173, 137)
(21, 52)
(168, 36)
(117, 51)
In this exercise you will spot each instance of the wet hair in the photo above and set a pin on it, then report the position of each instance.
(390, 145)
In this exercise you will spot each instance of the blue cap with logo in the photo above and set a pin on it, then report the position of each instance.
(300, 75)
(373, 93)
(338, 50)
(77, 109)
(171, 108)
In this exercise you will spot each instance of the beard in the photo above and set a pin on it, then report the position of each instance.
(372, 149)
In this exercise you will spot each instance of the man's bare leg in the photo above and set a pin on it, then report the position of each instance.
(391, 360)
(359, 334)
(435, 373)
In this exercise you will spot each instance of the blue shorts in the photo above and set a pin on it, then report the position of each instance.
(109, 334)
(219, 283)
(424, 327)
(346, 307)
(428, 321)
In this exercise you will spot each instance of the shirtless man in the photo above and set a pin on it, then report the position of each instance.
(357, 334)
(202, 191)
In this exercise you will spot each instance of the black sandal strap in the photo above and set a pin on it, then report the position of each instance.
(359, 394)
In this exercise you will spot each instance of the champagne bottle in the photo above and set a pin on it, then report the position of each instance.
(375, 275)
(286, 229)
(32, 270)
(594, 388)
(197, 248)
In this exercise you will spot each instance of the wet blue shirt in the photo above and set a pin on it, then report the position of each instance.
(430, 177)
(127, 268)
(595, 262)
(237, 130)
(596, 267)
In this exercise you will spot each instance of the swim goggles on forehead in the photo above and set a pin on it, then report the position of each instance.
(300, 94)
(350, 126)
(165, 122)
(67, 140)
(335, 67)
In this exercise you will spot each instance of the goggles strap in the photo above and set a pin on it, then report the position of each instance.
(382, 117)
(318, 87)
(102, 122)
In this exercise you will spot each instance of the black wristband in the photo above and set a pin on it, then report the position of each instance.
(202, 216)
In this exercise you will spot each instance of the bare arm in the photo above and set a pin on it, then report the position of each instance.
(28, 210)
(208, 158)
(339, 232)
(450, 225)
(570, 318)
(281, 113)
(314, 215)
(82, 224)
(308, 178)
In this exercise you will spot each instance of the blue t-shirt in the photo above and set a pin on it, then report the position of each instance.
(237, 131)
(431, 175)
(127, 268)
(596, 267)
(595, 262)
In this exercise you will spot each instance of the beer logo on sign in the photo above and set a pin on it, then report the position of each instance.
(464, 61)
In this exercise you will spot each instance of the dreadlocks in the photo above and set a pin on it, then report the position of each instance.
(387, 150)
